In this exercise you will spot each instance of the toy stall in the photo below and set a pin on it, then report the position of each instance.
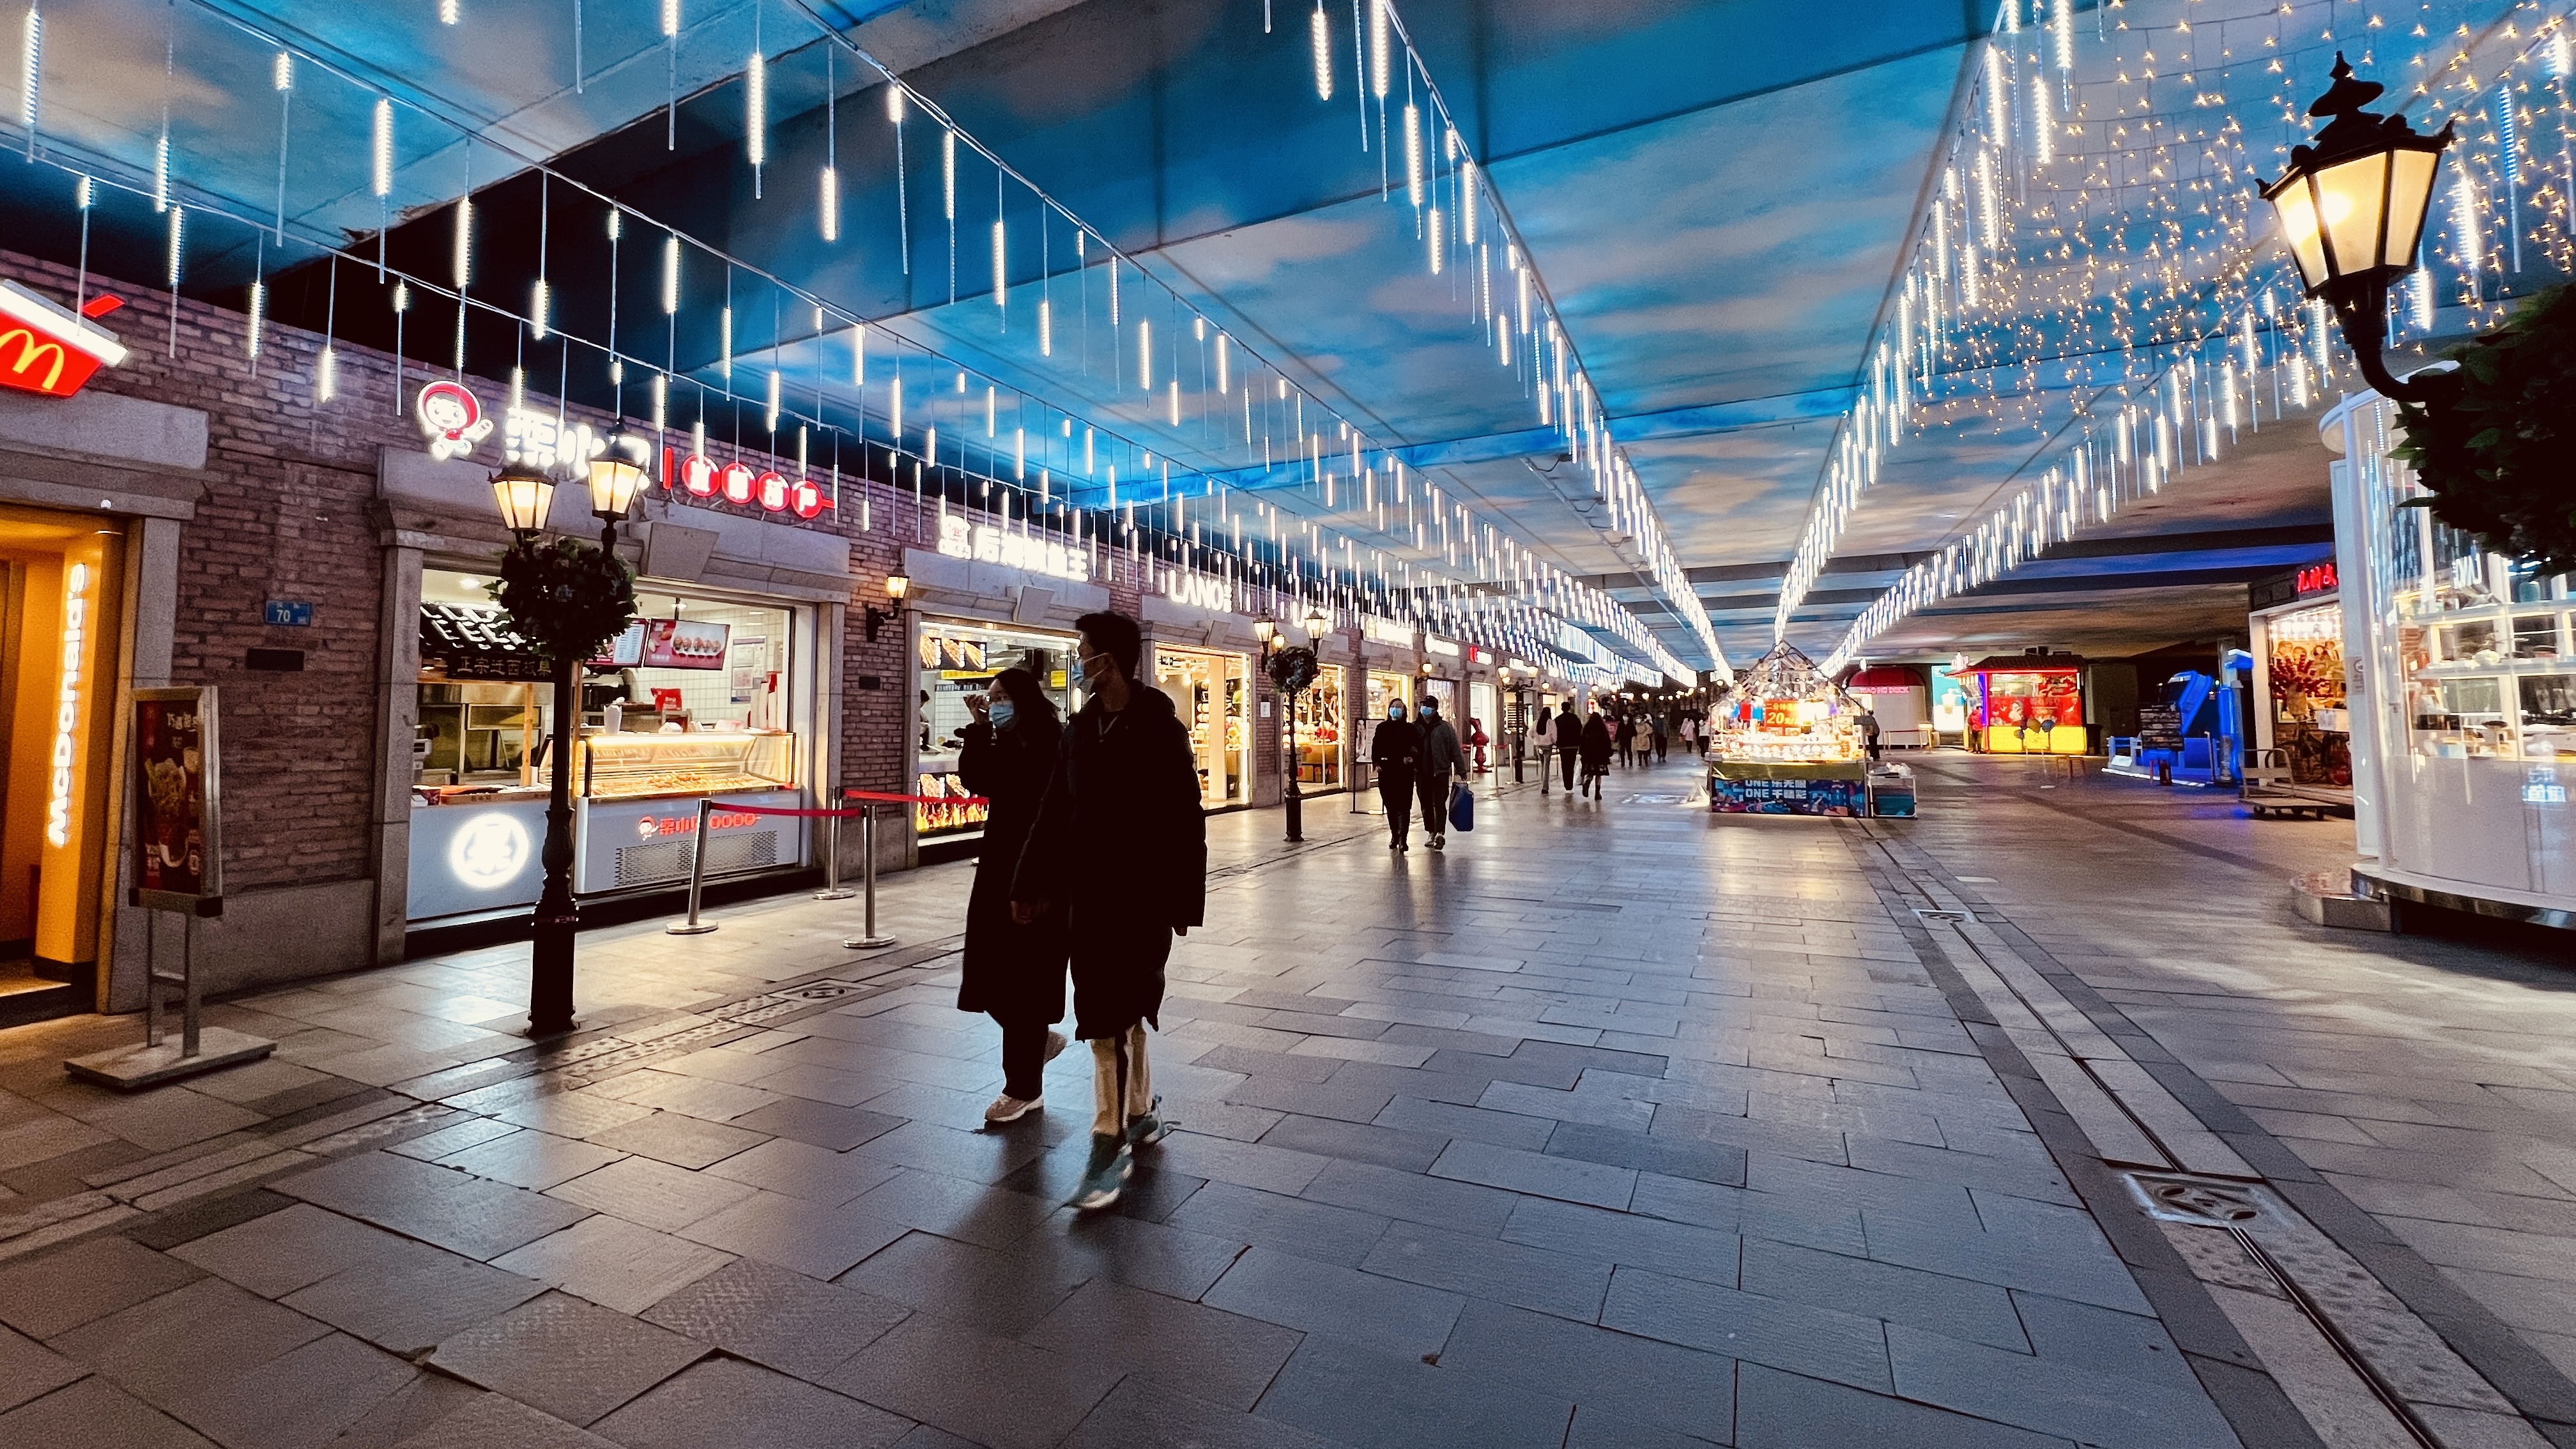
(2192, 733)
(2027, 704)
(1786, 740)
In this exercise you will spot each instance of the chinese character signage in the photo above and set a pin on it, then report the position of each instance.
(178, 862)
(988, 543)
(1787, 796)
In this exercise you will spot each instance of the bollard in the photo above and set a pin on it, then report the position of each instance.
(831, 890)
(697, 879)
(870, 941)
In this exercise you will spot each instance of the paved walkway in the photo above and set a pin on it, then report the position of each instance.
(1616, 1125)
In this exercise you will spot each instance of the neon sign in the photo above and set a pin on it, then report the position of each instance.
(2316, 579)
(50, 350)
(451, 418)
(67, 703)
(1202, 591)
(987, 543)
(489, 851)
(740, 483)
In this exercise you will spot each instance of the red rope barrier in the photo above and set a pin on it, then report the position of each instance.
(728, 807)
(916, 799)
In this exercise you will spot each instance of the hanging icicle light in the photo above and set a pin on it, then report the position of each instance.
(1001, 274)
(831, 203)
(450, 12)
(1431, 235)
(1381, 63)
(1998, 96)
(31, 72)
(2061, 33)
(755, 115)
(537, 308)
(670, 275)
(770, 405)
(1046, 328)
(2042, 130)
(1321, 30)
(661, 391)
(1144, 355)
(382, 151)
(461, 259)
(257, 318)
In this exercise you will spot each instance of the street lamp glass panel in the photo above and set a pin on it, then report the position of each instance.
(613, 482)
(898, 584)
(2298, 211)
(2352, 202)
(525, 496)
(2410, 195)
(1265, 628)
(1317, 622)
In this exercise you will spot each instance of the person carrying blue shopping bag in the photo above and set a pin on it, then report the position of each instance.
(1436, 761)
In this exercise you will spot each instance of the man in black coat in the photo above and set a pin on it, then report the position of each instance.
(1392, 748)
(1569, 739)
(1120, 844)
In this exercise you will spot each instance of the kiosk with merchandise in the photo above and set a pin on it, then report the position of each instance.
(2031, 703)
(2460, 695)
(1787, 741)
(2301, 723)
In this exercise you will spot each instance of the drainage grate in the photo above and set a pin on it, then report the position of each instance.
(2200, 1201)
(769, 1006)
(1962, 917)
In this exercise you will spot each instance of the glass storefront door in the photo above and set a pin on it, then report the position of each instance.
(1320, 730)
(1212, 694)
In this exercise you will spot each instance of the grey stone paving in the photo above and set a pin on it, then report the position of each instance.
(1616, 1125)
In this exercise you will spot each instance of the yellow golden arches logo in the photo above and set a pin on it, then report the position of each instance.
(30, 348)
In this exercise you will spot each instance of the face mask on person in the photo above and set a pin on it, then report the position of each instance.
(1395, 712)
(1002, 712)
(1075, 674)
(1430, 713)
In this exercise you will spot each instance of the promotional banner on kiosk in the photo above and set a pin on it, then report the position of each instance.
(178, 860)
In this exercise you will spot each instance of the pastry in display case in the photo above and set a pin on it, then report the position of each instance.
(688, 762)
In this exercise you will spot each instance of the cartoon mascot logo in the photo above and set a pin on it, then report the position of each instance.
(451, 419)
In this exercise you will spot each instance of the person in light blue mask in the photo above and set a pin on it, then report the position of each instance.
(1392, 748)
(1012, 971)
(1442, 759)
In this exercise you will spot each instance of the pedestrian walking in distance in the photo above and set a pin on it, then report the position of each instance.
(1120, 845)
(1596, 751)
(1663, 734)
(1393, 748)
(1014, 971)
(1569, 740)
(1441, 760)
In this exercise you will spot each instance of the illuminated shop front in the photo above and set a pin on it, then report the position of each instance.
(2027, 704)
(1212, 693)
(2302, 721)
(698, 699)
(1321, 731)
(61, 591)
(957, 659)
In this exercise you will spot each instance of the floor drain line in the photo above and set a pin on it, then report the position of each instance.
(1930, 913)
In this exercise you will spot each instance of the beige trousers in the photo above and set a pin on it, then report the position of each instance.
(1106, 1119)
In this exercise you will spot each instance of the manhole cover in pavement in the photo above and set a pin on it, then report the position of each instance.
(2200, 1201)
(1963, 917)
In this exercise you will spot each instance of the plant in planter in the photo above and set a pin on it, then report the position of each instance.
(2493, 446)
(566, 597)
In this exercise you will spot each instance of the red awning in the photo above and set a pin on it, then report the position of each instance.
(1885, 679)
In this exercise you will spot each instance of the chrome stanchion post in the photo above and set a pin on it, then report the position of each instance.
(870, 941)
(831, 890)
(697, 879)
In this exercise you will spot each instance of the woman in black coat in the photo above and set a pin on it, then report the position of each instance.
(1596, 752)
(1013, 973)
(1392, 750)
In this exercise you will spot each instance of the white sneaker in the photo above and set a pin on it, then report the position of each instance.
(1007, 1108)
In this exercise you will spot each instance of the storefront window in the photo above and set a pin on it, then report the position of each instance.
(1320, 730)
(2482, 648)
(1211, 692)
(959, 659)
(693, 700)
(2304, 673)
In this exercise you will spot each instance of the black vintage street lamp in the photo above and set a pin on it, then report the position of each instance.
(2352, 209)
(526, 496)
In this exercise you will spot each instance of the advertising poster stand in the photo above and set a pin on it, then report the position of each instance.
(176, 867)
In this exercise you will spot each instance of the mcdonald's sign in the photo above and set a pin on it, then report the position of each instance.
(50, 350)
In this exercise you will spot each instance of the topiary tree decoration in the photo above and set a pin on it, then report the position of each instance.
(2495, 451)
(566, 597)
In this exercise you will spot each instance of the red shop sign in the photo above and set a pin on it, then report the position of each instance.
(740, 483)
(2316, 579)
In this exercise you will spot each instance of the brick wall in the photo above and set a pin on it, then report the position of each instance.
(285, 516)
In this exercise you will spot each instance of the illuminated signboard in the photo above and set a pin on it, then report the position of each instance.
(1202, 591)
(739, 482)
(1434, 644)
(178, 852)
(65, 758)
(1386, 631)
(451, 418)
(988, 543)
(2316, 579)
(50, 350)
(489, 851)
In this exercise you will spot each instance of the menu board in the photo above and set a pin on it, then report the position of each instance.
(684, 644)
(178, 860)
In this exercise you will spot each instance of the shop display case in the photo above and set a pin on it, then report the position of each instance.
(956, 659)
(1786, 741)
(1319, 732)
(637, 806)
(2460, 694)
(2027, 704)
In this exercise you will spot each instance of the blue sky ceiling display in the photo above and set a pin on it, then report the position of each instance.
(1940, 284)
